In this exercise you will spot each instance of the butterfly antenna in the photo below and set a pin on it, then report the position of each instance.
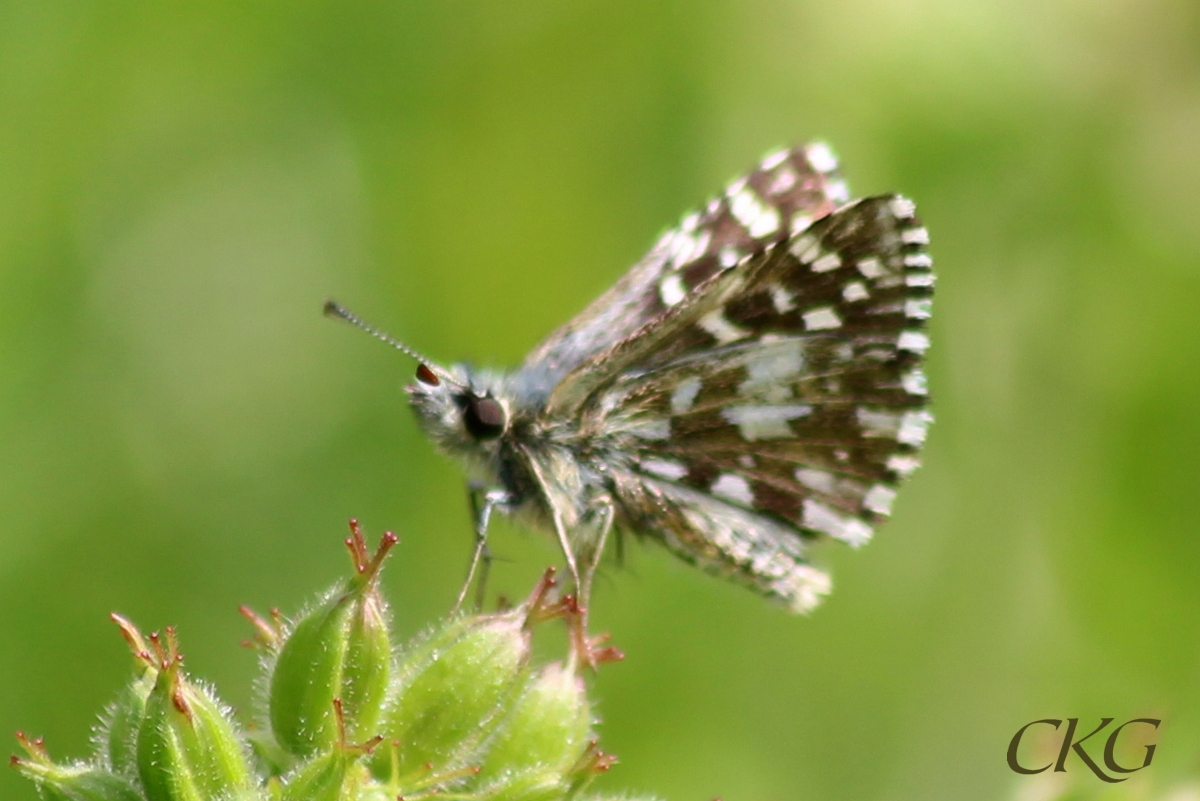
(339, 312)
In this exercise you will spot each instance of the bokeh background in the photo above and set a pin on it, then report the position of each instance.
(182, 185)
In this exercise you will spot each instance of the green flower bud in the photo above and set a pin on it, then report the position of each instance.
(454, 686)
(187, 747)
(336, 775)
(339, 650)
(73, 782)
(116, 737)
(374, 791)
(540, 745)
(333, 776)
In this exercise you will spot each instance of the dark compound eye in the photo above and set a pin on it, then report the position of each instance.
(426, 376)
(483, 417)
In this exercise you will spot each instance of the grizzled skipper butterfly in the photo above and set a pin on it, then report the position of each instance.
(752, 385)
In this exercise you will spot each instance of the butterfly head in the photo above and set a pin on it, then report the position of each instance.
(461, 411)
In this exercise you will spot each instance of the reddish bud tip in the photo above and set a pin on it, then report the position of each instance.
(366, 565)
(267, 633)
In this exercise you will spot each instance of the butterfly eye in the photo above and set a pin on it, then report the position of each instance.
(484, 417)
(427, 376)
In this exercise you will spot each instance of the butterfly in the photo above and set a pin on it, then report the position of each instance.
(753, 385)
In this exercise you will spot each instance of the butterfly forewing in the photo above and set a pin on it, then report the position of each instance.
(787, 388)
(784, 194)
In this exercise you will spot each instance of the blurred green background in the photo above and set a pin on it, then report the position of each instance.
(183, 184)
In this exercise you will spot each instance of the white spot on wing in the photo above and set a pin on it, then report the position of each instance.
(871, 267)
(838, 191)
(918, 260)
(903, 466)
(879, 499)
(819, 517)
(650, 429)
(806, 248)
(821, 319)
(681, 247)
(918, 308)
(876, 423)
(783, 300)
(855, 290)
(715, 323)
(671, 289)
(814, 479)
(915, 341)
(664, 468)
(915, 236)
(830, 261)
(914, 382)
(920, 279)
(913, 427)
(821, 157)
(784, 180)
(805, 585)
(903, 208)
(684, 395)
(729, 256)
(771, 364)
(765, 422)
(765, 224)
(734, 488)
(800, 222)
(759, 220)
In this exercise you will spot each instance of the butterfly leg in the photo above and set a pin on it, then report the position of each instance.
(564, 542)
(591, 536)
(600, 524)
(483, 503)
(582, 549)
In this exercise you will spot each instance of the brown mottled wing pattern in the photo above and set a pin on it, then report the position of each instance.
(784, 194)
(774, 402)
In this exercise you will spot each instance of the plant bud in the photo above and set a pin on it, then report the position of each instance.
(374, 791)
(542, 742)
(116, 738)
(332, 776)
(118, 730)
(336, 775)
(187, 747)
(71, 783)
(454, 687)
(339, 650)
